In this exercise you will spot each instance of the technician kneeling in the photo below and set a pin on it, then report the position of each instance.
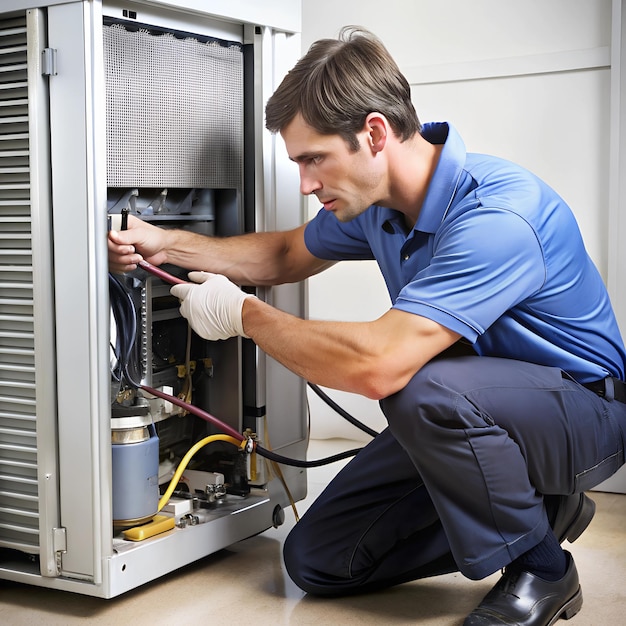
(487, 455)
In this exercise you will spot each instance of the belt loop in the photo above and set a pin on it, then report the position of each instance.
(609, 389)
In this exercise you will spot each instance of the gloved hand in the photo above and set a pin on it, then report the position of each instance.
(212, 305)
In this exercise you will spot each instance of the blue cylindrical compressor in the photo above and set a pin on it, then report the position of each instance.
(135, 475)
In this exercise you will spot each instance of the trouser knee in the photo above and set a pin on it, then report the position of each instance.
(310, 567)
(298, 562)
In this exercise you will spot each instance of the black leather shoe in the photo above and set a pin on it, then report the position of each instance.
(570, 515)
(523, 599)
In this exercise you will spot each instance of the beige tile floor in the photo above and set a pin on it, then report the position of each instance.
(247, 584)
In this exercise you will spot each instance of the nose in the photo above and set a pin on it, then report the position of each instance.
(308, 184)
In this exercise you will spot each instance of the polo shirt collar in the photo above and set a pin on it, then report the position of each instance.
(444, 182)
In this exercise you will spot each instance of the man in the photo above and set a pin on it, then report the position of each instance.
(487, 455)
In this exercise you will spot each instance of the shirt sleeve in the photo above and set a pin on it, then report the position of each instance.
(328, 238)
(484, 263)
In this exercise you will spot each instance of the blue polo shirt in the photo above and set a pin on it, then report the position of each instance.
(496, 256)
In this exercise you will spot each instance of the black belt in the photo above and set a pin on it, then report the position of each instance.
(608, 388)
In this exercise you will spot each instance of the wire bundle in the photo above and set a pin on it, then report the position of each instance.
(127, 368)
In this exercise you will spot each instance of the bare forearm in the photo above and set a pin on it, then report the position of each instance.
(251, 259)
(254, 259)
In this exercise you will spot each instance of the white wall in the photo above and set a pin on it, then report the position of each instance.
(528, 80)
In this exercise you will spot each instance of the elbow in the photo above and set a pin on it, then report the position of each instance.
(267, 276)
(377, 385)
(376, 394)
(379, 392)
(272, 275)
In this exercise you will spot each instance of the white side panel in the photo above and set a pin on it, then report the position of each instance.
(77, 143)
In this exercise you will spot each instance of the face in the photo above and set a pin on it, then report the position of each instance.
(345, 182)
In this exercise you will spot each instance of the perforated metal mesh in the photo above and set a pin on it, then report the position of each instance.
(174, 110)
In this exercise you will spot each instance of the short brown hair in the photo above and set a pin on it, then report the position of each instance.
(338, 83)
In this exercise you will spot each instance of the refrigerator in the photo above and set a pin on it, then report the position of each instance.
(152, 109)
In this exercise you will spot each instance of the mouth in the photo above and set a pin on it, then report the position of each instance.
(329, 205)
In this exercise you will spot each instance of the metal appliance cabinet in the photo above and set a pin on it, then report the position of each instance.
(57, 151)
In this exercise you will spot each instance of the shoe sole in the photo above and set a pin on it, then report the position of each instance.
(581, 521)
(569, 609)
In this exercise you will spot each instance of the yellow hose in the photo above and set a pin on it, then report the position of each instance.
(182, 466)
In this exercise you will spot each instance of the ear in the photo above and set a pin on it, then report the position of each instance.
(378, 129)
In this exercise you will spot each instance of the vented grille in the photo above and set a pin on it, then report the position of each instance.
(19, 515)
(174, 110)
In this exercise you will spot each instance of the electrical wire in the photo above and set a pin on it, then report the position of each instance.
(125, 315)
(275, 467)
(187, 390)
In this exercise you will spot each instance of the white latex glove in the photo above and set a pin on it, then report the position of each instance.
(212, 305)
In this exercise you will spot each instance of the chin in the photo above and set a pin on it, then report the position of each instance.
(345, 216)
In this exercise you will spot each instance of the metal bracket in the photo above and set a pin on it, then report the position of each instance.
(49, 62)
(59, 540)
(59, 545)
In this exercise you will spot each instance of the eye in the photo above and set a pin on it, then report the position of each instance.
(309, 159)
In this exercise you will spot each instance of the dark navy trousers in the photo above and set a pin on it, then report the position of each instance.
(461, 480)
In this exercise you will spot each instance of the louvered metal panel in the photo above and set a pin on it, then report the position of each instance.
(19, 499)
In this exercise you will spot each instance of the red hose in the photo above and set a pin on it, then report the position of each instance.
(159, 273)
(190, 408)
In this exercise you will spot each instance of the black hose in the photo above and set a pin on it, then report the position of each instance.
(272, 456)
(341, 411)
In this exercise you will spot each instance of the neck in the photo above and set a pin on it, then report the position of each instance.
(411, 170)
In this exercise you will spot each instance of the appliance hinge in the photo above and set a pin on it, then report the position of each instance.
(59, 544)
(49, 62)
